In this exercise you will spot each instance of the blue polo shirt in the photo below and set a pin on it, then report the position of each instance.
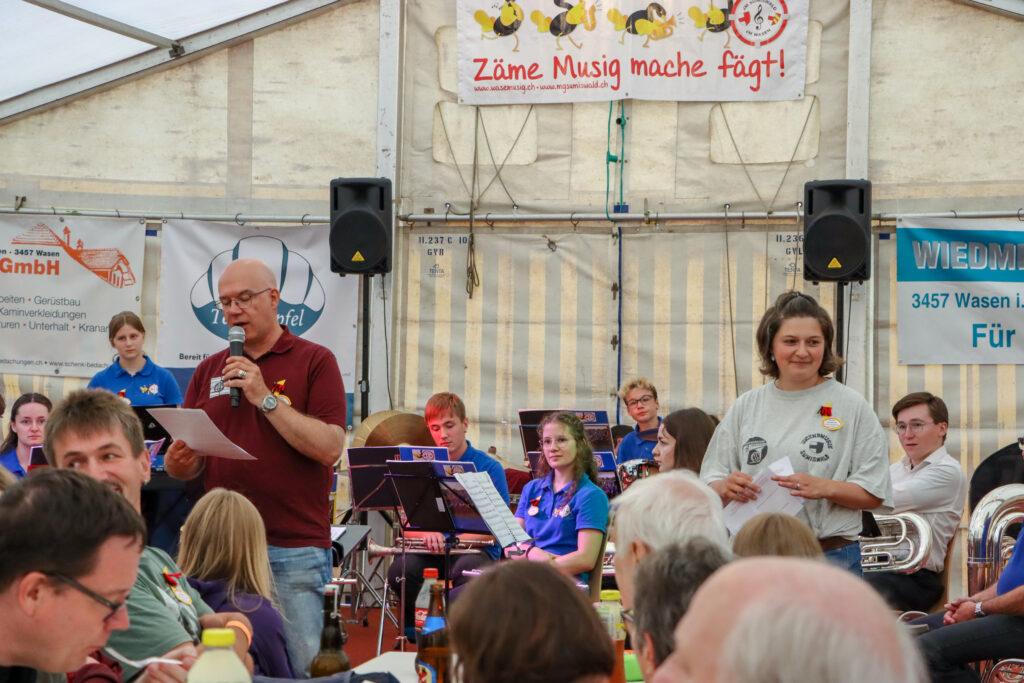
(557, 534)
(9, 459)
(1012, 575)
(493, 468)
(150, 386)
(632, 447)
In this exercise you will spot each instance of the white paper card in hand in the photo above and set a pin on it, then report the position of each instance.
(773, 498)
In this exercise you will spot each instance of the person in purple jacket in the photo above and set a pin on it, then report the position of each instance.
(224, 553)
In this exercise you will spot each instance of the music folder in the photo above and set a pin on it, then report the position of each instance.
(500, 521)
(433, 500)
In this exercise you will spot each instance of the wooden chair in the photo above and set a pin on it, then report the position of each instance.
(944, 576)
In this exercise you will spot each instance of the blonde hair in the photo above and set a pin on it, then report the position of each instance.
(637, 383)
(774, 533)
(6, 478)
(224, 538)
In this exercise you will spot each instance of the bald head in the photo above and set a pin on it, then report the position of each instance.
(253, 270)
(774, 618)
(249, 295)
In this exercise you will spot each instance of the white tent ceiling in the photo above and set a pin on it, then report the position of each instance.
(40, 47)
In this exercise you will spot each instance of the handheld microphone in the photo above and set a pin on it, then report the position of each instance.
(236, 342)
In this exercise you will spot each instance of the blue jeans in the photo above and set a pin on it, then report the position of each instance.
(847, 557)
(300, 575)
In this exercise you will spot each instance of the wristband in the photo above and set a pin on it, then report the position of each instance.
(243, 628)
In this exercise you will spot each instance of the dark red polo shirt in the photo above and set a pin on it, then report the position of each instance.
(291, 491)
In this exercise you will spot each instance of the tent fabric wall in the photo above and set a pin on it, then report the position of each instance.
(538, 331)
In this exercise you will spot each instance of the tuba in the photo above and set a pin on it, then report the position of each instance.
(631, 470)
(986, 555)
(903, 547)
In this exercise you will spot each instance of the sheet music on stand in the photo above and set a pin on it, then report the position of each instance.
(493, 510)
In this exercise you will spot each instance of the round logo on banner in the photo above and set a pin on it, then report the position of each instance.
(759, 22)
(302, 294)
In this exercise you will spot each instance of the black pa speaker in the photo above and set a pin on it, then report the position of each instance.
(837, 230)
(361, 225)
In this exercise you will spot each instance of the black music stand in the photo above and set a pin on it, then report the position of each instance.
(370, 490)
(434, 501)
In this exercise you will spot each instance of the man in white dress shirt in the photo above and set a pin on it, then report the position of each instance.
(930, 482)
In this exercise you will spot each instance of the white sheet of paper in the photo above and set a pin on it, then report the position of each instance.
(773, 498)
(194, 427)
(336, 532)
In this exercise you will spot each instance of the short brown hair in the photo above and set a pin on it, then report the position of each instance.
(120, 320)
(90, 411)
(548, 631)
(793, 304)
(936, 406)
(776, 533)
(442, 404)
(692, 429)
(637, 383)
(56, 520)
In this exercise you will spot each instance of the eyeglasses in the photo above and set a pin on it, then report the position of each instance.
(629, 616)
(114, 607)
(645, 399)
(243, 300)
(914, 427)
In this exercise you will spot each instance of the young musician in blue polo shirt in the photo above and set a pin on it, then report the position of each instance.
(445, 415)
(564, 510)
(641, 399)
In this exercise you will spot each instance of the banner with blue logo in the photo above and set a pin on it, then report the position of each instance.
(315, 303)
(960, 290)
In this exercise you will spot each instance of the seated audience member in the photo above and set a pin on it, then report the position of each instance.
(776, 533)
(564, 510)
(523, 621)
(930, 482)
(986, 625)
(658, 511)
(28, 417)
(641, 399)
(95, 432)
(445, 415)
(224, 554)
(663, 585)
(789, 619)
(683, 436)
(69, 553)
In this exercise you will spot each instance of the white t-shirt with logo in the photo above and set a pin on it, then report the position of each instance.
(828, 431)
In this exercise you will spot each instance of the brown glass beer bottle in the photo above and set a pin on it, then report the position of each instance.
(331, 659)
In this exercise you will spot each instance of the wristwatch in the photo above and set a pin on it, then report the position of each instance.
(978, 612)
(269, 403)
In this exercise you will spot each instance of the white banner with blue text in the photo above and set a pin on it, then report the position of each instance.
(960, 290)
(534, 51)
(61, 281)
(315, 303)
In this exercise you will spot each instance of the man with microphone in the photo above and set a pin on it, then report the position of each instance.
(291, 417)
